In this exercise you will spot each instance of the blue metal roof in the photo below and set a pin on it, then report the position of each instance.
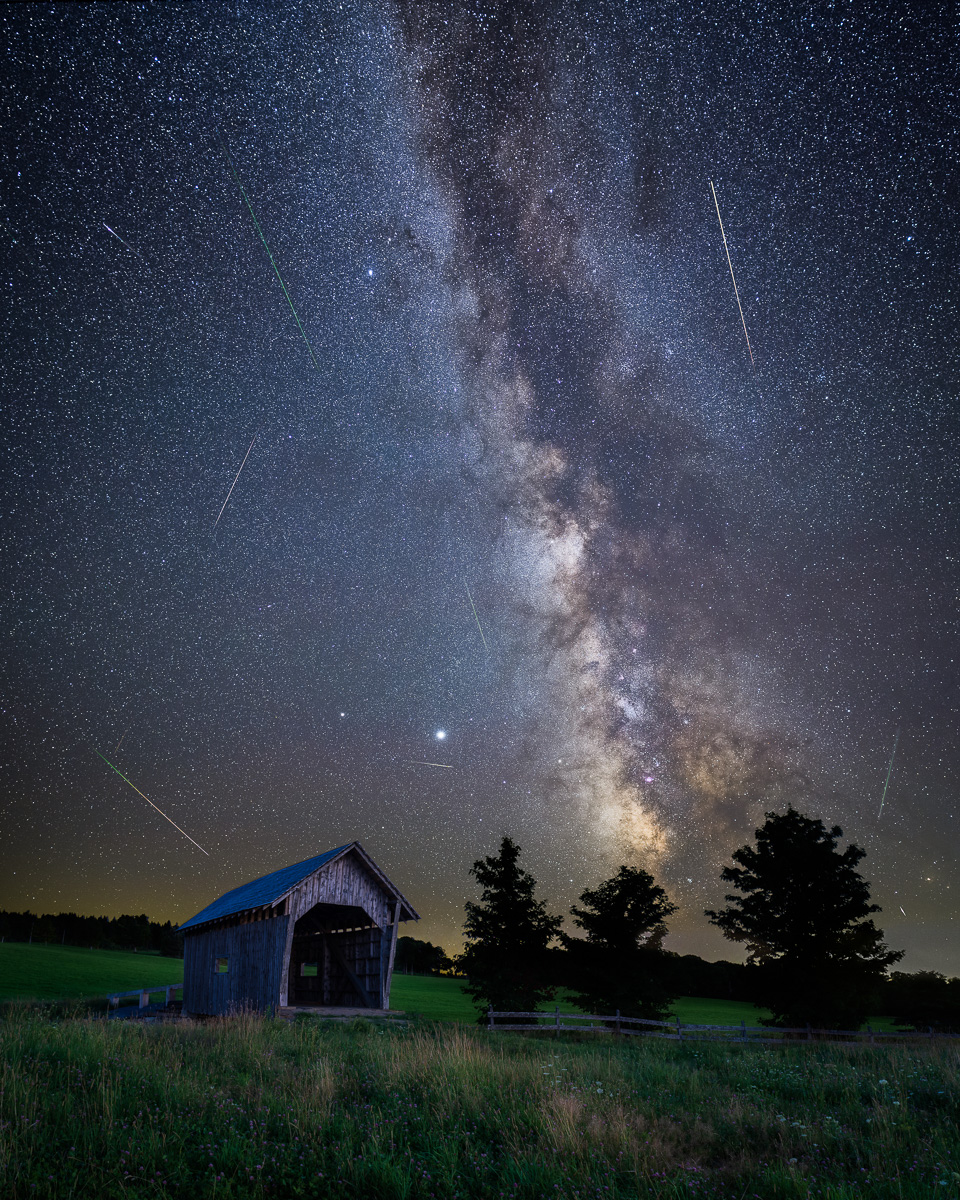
(263, 891)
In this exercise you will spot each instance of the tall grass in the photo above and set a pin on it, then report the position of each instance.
(250, 1107)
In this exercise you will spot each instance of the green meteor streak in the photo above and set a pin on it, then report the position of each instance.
(889, 770)
(276, 269)
(150, 802)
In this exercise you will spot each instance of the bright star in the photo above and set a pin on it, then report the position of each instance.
(440, 734)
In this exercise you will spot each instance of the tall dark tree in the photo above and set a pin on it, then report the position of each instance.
(801, 913)
(620, 963)
(926, 999)
(420, 958)
(507, 936)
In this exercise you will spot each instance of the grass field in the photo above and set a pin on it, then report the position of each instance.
(257, 1108)
(445, 1000)
(69, 973)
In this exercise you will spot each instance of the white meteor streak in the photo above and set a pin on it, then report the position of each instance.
(120, 239)
(416, 762)
(479, 626)
(732, 276)
(234, 484)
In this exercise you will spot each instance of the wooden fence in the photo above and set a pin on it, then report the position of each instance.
(114, 998)
(557, 1023)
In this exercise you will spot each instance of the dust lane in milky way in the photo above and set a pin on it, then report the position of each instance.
(526, 488)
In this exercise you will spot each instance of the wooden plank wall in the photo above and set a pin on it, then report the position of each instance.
(254, 950)
(345, 881)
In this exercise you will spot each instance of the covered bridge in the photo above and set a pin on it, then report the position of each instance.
(321, 933)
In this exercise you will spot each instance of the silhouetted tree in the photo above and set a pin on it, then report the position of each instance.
(801, 914)
(620, 963)
(44, 930)
(507, 935)
(924, 999)
(420, 958)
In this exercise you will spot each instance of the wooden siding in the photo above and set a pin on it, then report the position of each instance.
(344, 881)
(254, 950)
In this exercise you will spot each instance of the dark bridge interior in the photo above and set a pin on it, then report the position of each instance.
(335, 960)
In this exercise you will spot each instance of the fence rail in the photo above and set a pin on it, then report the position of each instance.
(558, 1022)
(114, 998)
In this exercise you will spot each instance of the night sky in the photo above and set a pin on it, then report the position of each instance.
(703, 588)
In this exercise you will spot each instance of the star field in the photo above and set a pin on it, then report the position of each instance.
(522, 508)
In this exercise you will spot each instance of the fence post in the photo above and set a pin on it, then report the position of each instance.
(743, 1031)
(557, 1020)
(679, 1031)
(490, 1018)
(870, 1032)
(930, 1031)
(618, 1022)
(809, 1034)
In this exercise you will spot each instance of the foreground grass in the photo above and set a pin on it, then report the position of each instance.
(250, 1108)
(70, 973)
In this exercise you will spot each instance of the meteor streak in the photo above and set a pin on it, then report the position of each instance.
(150, 802)
(120, 239)
(276, 269)
(415, 762)
(732, 276)
(236, 477)
(479, 626)
(889, 769)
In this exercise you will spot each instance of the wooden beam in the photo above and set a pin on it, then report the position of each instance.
(385, 985)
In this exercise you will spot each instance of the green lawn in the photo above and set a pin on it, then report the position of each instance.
(445, 1000)
(32, 972)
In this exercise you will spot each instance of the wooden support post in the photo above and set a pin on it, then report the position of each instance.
(679, 1031)
(387, 955)
(870, 1032)
(809, 1033)
(113, 1001)
(557, 1022)
(618, 1023)
(144, 999)
(743, 1031)
(490, 1017)
(327, 990)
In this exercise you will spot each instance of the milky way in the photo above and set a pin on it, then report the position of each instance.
(513, 474)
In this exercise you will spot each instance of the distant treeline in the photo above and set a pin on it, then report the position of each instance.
(102, 933)
(688, 974)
